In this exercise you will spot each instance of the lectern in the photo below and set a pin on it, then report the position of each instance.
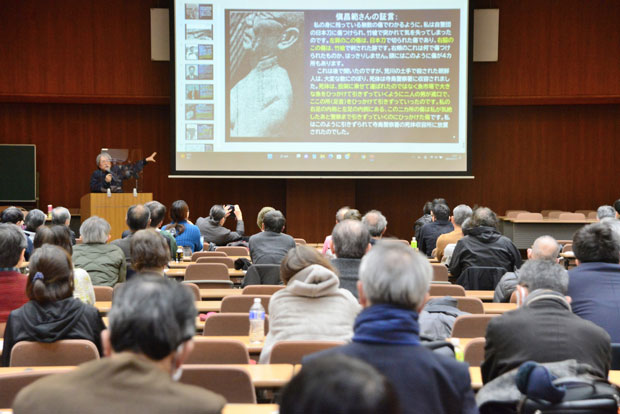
(113, 208)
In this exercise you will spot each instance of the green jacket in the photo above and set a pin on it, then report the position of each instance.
(105, 263)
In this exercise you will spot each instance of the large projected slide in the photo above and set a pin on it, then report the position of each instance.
(263, 88)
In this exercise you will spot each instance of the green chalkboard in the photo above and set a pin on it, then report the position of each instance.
(18, 172)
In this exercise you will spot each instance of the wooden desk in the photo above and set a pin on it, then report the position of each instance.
(219, 293)
(202, 306)
(182, 265)
(524, 232)
(252, 348)
(180, 272)
(483, 295)
(250, 409)
(498, 308)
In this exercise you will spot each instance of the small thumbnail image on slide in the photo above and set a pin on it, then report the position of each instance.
(191, 11)
(201, 72)
(190, 132)
(205, 52)
(203, 112)
(198, 32)
(205, 131)
(198, 92)
(205, 12)
(191, 52)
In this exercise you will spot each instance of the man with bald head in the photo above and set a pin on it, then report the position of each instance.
(350, 241)
(544, 248)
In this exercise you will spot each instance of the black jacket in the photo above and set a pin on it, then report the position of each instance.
(64, 319)
(484, 246)
(429, 234)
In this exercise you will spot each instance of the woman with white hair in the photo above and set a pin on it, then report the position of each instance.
(105, 263)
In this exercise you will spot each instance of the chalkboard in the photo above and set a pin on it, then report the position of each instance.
(18, 172)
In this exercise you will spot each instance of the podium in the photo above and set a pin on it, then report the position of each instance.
(113, 209)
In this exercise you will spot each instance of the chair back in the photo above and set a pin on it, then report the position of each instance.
(194, 289)
(440, 272)
(12, 383)
(586, 212)
(572, 216)
(615, 356)
(568, 247)
(208, 275)
(230, 263)
(218, 351)
(261, 289)
(243, 303)
(465, 304)
(556, 213)
(471, 326)
(480, 277)
(473, 353)
(2, 328)
(291, 352)
(103, 293)
(233, 383)
(513, 213)
(529, 216)
(446, 290)
(117, 288)
(230, 324)
(591, 215)
(59, 353)
(233, 250)
(262, 274)
(197, 255)
(299, 241)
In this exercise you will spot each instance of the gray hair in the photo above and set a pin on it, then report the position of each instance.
(60, 215)
(375, 222)
(103, 155)
(613, 224)
(605, 211)
(544, 274)
(483, 216)
(95, 230)
(341, 212)
(545, 248)
(395, 274)
(351, 239)
(34, 219)
(461, 213)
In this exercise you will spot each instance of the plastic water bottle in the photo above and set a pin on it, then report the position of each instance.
(257, 322)
(414, 243)
(109, 193)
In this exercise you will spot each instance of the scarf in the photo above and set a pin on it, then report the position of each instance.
(387, 324)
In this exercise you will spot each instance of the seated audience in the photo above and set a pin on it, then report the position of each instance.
(350, 241)
(460, 213)
(311, 306)
(185, 233)
(327, 244)
(394, 284)
(33, 220)
(105, 263)
(52, 313)
(261, 215)
(12, 282)
(149, 252)
(425, 219)
(338, 384)
(212, 227)
(138, 217)
(62, 217)
(152, 323)
(604, 212)
(59, 236)
(543, 329)
(15, 216)
(271, 245)
(158, 213)
(544, 248)
(594, 285)
(484, 245)
(439, 225)
(376, 224)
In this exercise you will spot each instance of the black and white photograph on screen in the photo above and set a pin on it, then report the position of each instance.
(195, 32)
(205, 52)
(191, 52)
(205, 72)
(266, 61)
(191, 72)
(191, 11)
(205, 131)
(205, 11)
(190, 132)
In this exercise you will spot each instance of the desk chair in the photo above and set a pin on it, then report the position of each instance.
(473, 353)
(60, 353)
(230, 324)
(471, 326)
(11, 384)
(261, 289)
(446, 290)
(208, 275)
(513, 213)
(233, 383)
(572, 216)
(217, 259)
(465, 304)
(243, 303)
(529, 216)
(233, 250)
(440, 272)
(2, 328)
(218, 351)
(480, 277)
(299, 241)
(197, 255)
(291, 352)
(194, 289)
(103, 293)
(262, 274)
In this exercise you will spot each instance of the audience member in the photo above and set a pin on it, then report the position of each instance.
(544, 248)
(617, 208)
(261, 215)
(185, 233)
(105, 263)
(425, 219)
(484, 245)
(149, 252)
(12, 282)
(52, 313)
(15, 216)
(376, 224)
(62, 217)
(394, 284)
(57, 235)
(137, 218)
(605, 212)
(327, 244)
(338, 384)
(271, 245)
(311, 306)
(352, 214)
(460, 213)
(544, 329)
(158, 213)
(150, 332)
(350, 241)
(212, 227)
(439, 225)
(594, 285)
(33, 220)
